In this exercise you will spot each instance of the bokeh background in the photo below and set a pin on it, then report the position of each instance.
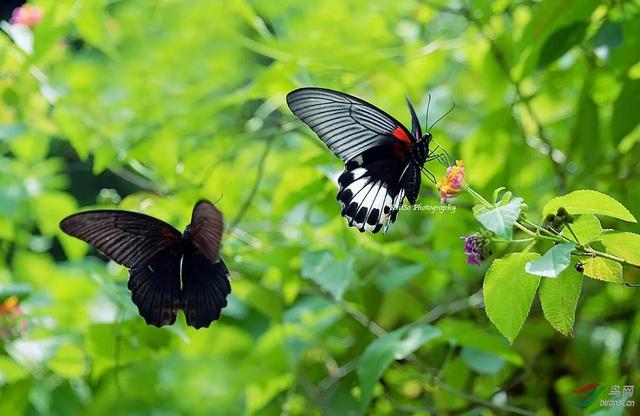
(151, 105)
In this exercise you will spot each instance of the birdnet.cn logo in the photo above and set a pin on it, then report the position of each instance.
(619, 396)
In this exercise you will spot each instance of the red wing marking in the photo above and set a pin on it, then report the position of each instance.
(400, 134)
(168, 233)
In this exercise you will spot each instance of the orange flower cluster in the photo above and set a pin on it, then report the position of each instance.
(453, 183)
(12, 323)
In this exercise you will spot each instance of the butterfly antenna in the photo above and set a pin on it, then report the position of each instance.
(443, 116)
(428, 105)
(218, 200)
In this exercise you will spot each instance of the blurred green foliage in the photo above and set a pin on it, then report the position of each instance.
(150, 105)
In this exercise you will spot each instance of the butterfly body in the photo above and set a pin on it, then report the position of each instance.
(168, 270)
(383, 159)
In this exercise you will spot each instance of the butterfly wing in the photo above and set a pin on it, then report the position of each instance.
(155, 287)
(128, 238)
(206, 229)
(371, 190)
(205, 287)
(205, 277)
(348, 125)
(375, 146)
(150, 248)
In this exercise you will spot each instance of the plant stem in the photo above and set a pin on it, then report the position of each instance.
(479, 197)
(551, 235)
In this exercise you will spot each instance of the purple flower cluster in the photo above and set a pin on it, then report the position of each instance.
(474, 248)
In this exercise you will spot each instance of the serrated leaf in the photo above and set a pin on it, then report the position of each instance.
(602, 269)
(559, 299)
(329, 273)
(553, 262)
(624, 245)
(508, 293)
(589, 202)
(587, 228)
(381, 352)
(501, 219)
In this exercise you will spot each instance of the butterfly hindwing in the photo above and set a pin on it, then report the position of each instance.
(128, 238)
(205, 287)
(370, 190)
(155, 288)
(348, 125)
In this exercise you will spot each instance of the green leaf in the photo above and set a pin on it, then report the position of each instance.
(381, 352)
(559, 299)
(602, 269)
(624, 245)
(561, 41)
(587, 228)
(548, 17)
(508, 293)
(91, 23)
(329, 273)
(69, 361)
(500, 220)
(609, 35)
(626, 116)
(554, 261)
(465, 333)
(260, 393)
(10, 371)
(395, 277)
(585, 133)
(260, 298)
(482, 362)
(589, 202)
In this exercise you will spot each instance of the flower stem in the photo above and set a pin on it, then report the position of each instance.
(551, 235)
(479, 197)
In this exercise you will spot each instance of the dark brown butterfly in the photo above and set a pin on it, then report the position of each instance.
(154, 252)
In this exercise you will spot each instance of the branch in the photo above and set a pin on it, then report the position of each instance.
(137, 180)
(256, 184)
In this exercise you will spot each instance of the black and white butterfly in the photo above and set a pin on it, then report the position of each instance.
(383, 158)
(168, 270)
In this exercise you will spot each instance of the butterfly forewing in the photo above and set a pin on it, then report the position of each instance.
(128, 238)
(206, 229)
(348, 125)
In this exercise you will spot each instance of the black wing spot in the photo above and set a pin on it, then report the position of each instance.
(351, 210)
(362, 214)
(373, 216)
